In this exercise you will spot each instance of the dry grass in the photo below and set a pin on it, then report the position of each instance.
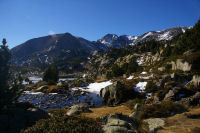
(52, 88)
(101, 80)
(180, 123)
(104, 111)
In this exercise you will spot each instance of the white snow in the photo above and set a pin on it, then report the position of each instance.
(165, 36)
(132, 44)
(140, 87)
(35, 79)
(25, 83)
(148, 34)
(32, 93)
(140, 60)
(130, 77)
(148, 95)
(96, 87)
(190, 27)
(136, 37)
(148, 53)
(146, 77)
(46, 61)
(143, 73)
(183, 30)
(62, 79)
(94, 91)
(132, 37)
(37, 93)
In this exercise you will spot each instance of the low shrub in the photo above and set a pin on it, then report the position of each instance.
(60, 123)
(131, 103)
(151, 87)
(163, 109)
(76, 83)
(126, 91)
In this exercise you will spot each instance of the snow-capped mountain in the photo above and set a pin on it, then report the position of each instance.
(69, 51)
(112, 40)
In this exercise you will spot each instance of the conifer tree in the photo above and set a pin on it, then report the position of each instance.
(8, 92)
(51, 75)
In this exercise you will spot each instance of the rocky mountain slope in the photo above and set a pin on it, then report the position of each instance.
(69, 52)
(57, 49)
(114, 41)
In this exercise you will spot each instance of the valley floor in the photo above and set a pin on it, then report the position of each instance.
(104, 111)
(180, 123)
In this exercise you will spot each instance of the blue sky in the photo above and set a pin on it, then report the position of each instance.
(21, 20)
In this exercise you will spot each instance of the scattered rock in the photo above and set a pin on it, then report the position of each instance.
(161, 69)
(179, 77)
(60, 83)
(154, 124)
(77, 109)
(119, 123)
(110, 94)
(181, 64)
(192, 100)
(133, 115)
(170, 95)
(196, 81)
(137, 106)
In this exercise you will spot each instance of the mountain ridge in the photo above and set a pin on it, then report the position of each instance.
(69, 49)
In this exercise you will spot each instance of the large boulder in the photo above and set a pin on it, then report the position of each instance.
(181, 64)
(161, 69)
(192, 100)
(196, 81)
(119, 123)
(177, 93)
(77, 109)
(154, 124)
(134, 114)
(170, 95)
(180, 77)
(110, 94)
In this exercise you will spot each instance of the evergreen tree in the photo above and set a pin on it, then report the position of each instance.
(116, 71)
(51, 75)
(8, 94)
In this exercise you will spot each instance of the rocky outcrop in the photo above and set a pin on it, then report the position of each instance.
(154, 124)
(110, 94)
(170, 95)
(161, 69)
(119, 123)
(134, 114)
(192, 101)
(180, 77)
(181, 64)
(196, 80)
(77, 109)
(126, 59)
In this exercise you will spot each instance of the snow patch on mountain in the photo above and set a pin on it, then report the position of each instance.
(146, 35)
(165, 36)
(140, 87)
(96, 87)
